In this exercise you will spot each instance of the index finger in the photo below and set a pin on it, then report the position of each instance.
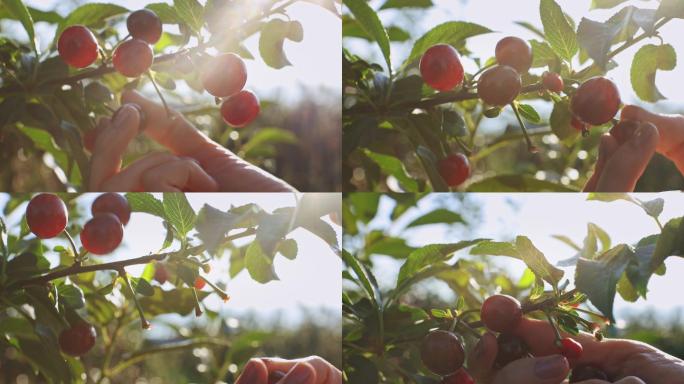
(173, 132)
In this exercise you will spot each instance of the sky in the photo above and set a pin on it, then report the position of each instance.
(540, 216)
(501, 15)
(316, 60)
(312, 280)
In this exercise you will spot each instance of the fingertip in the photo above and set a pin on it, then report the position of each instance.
(301, 373)
(631, 112)
(254, 372)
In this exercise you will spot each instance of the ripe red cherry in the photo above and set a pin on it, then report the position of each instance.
(553, 82)
(77, 46)
(113, 203)
(442, 352)
(460, 377)
(501, 313)
(199, 283)
(441, 67)
(570, 348)
(240, 109)
(224, 75)
(499, 85)
(511, 348)
(102, 234)
(455, 169)
(77, 340)
(161, 275)
(578, 124)
(597, 101)
(46, 215)
(133, 58)
(587, 372)
(514, 52)
(145, 25)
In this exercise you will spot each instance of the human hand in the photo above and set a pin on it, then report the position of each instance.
(626, 361)
(621, 164)
(310, 370)
(196, 163)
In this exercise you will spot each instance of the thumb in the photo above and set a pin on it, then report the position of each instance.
(633, 112)
(255, 372)
(540, 370)
(302, 373)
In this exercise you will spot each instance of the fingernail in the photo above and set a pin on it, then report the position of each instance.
(249, 375)
(550, 367)
(641, 137)
(298, 375)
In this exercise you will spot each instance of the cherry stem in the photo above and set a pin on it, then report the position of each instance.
(530, 146)
(77, 259)
(156, 88)
(198, 310)
(143, 320)
(553, 325)
(224, 296)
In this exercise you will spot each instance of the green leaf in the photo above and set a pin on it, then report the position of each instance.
(542, 54)
(392, 166)
(370, 22)
(179, 300)
(259, 264)
(90, 15)
(390, 246)
(529, 113)
(598, 278)
(21, 13)
(213, 224)
(452, 32)
(288, 248)
(273, 35)
(146, 203)
(425, 256)
(669, 243)
(537, 262)
(647, 61)
(179, 213)
(71, 295)
(366, 278)
(561, 122)
(191, 12)
(267, 138)
(671, 8)
(167, 13)
(495, 248)
(559, 33)
(517, 183)
(597, 38)
(389, 4)
(438, 216)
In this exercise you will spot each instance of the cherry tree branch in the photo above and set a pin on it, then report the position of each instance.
(119, 265)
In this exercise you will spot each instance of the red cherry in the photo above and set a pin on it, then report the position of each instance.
(224, 75)
(199, 283)
(240, 109)
(441, 67)
(514, 52)
(455, 169)
(553, 82)
(77, 340)
(501, 313)
(161, 275)
(77, 46)
(597, 101)
(102, 234)
(113, 203)
(499, 85)
(46, 215)
(442, 352)
(460, 377)
(145, 25)
(132, 58)
(570, 348)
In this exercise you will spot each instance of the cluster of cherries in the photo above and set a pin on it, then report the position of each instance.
(223, 76)
(47, 217)
(594, 102)
(443, 353)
